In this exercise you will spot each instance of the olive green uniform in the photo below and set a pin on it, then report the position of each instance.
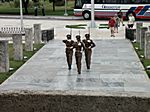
(78, 55)
(89, 44)
(69, 51)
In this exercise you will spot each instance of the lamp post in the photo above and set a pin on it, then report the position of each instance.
(21, 15)
(65, 14)
(92, 25)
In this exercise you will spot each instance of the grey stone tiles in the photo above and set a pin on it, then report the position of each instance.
(115, 68)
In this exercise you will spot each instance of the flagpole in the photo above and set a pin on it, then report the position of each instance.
(92, 25)
(21, 15)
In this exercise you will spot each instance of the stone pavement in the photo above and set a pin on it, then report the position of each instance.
(115, 65)
(115, 69)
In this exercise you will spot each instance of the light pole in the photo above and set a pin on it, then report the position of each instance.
(21, 15)
(65, 14)
(92, 25)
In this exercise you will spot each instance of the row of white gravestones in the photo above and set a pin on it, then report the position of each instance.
(147, 45)
(138, 27)
(143, 37)
(37, 33)
(4, 56)
(17, 44)
(28, 39)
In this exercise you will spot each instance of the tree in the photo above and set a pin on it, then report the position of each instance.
(53, 4)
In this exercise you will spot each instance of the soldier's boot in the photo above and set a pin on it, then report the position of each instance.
(69, 67)
(79, 72)
(88, 67)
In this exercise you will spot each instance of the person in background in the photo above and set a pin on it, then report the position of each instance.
(131, 21)
(43, 10)
(111, 25)
(69, 50)
(116, 23)
(35, 10)
(88, 44)
(120, 15)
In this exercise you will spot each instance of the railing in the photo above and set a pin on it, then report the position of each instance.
(12, 30)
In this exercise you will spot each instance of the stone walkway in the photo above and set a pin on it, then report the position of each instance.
(115, 65)
(115, 69)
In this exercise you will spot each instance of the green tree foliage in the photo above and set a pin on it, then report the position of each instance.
(16, 3)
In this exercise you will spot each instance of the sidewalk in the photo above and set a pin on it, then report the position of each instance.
(41, 17)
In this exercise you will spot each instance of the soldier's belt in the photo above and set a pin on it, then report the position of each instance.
(87, 48)
(68, 47)
(78, 51)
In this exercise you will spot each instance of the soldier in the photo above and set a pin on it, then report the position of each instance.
(89, 44)
(78, 52)
(69, 50)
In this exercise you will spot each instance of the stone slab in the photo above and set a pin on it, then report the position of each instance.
(115, 68)
(4, 56)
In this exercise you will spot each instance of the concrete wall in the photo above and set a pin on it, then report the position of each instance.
(71, 103)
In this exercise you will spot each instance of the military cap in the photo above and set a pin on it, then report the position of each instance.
(78, 36)
(68, 36)
(87, 35)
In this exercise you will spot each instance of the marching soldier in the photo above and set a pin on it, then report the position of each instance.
(69, 50)
(89, 44)
(78, 52)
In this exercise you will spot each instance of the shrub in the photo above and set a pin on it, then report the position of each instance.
(16, 3)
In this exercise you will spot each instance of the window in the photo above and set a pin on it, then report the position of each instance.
(122, 1)
(137, 1)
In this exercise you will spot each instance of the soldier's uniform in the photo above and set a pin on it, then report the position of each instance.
(78, 53)
(89, 44)
(69, 50)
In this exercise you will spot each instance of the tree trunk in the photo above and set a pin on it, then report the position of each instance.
(26, 9)
(53, 5)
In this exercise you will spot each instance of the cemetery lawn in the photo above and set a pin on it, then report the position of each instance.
(17, 64)
(145, 62)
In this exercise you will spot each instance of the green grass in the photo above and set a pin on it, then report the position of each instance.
(145, 62)
(16, 64)
(8, 8)
(79, 26)
(103, 26)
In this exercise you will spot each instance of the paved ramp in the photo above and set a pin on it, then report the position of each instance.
(116, 72)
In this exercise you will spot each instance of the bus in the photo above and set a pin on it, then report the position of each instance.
(108, 8)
